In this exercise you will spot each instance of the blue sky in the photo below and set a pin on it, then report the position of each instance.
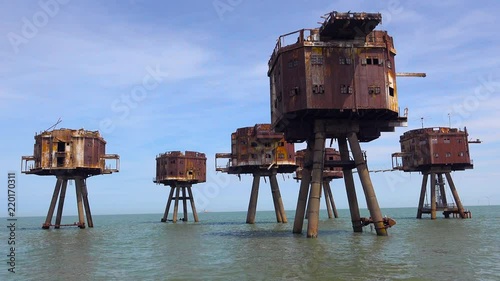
(156, 76)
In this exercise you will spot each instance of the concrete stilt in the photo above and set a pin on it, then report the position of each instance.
(442, 191)
(455, 195)
(316, 179)
(422, 195)
(176, 204)
(278, 202)
(332, 201)
(327, 200)
(52, 206)
(300, 211)
(184, 204)
(79, 202)
(364, 176)
(169, 201)
(252, 205)
(193, 208)
(85, 196)
(60, 205)
(350, 189)
(275, 203)
(433, 196)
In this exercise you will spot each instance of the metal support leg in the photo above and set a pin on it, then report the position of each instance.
(252, 205)
(86, 204)
(433, 196)
(79, 202)
(195, 214)
(298, 223)
(350, 189)
(52, 206)
(422, 195)
(169, 201)
(455, 195)
(60, 205)
(316, 180)
(364, 176)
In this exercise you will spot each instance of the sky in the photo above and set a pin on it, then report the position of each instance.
(156, 76)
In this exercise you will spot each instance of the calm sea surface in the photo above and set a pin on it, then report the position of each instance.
(222, 247)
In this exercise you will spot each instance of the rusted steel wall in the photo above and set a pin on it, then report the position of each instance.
(67, 149)
(329, 172)
(177, 167)
(435, 147)
(259, 147)
(327, 73)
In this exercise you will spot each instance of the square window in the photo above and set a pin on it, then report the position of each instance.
(368, 60)
(348, 61)
(343, 89)
(341, 60)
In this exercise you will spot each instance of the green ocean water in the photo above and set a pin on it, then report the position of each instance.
(222, 247)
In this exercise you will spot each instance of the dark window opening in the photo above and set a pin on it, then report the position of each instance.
(60, 147)
(348, 61)
(254, 156)
(281, 143)
(268, 155)
(391, 91)
(330, 158)
(368, 60)
(267, 144)
(254, 144)
(60, 161)
(375, 60)
(190, 173)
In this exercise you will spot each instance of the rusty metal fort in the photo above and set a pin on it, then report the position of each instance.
(334, 82)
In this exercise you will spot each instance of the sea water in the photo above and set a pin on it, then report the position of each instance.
(223, 247)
